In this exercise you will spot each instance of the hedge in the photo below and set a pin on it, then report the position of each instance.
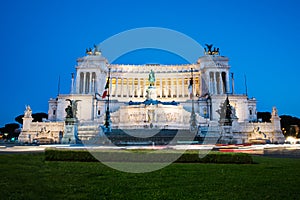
(143, 156)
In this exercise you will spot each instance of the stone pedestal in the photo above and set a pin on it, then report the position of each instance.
(25, 135)
(235, 124)
(151, 93)
(277, 135)
(70, 132)
(27, 123)
(226, 135)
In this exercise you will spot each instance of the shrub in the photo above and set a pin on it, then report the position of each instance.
(120, 156)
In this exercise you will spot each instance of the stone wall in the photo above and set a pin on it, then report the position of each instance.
(51, 130)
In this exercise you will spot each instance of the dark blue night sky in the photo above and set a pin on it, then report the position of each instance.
(41, 40)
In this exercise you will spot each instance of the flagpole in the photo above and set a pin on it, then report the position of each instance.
(108, 94)
(193, 109)
(107, 118)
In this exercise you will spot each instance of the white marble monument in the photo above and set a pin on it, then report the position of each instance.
(167, 85)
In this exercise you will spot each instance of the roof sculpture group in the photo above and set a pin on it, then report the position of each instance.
(210, 51)
(91, 52)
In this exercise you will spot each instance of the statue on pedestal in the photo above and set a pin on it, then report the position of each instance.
(225, 113)
(274, 112)
(71, 110)
(96, 50)
(28, 112)
(151, 90)
(71, 125)
(151, 78)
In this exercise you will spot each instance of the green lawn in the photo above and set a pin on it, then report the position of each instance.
(28, 176)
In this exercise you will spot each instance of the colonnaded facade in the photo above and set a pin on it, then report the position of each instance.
(165, 102)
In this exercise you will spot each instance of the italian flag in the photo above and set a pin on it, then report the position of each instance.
(105, 89)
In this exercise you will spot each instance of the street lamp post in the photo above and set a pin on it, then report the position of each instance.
(107, 122)
(193, 124)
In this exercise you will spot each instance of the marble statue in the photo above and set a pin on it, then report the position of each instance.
(274, 112)
(28, 112)
(71, 110)
(151, 78)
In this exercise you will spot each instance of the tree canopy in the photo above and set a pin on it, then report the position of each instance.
(264, 116)
(11, 129)
(37, 117)
(290, 125)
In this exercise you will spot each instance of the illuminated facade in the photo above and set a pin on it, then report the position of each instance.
(128, 89)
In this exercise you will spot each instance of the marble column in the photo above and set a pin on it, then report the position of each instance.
(110, 87)
(84, 82)
(200, 85)
(177, 87)
(227, 82)
(117, 87)
(93, 86)
(215, 83)
(161, 87)
(139, 88)
(127, 89)
(221, 83)
(210, 83)
(133, 87)
(91, 83)
(182, 86)
(172, 87)
(145, 86)
(122, 86)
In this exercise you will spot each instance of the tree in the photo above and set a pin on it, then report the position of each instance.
(19, 119)
(11, 129)
(264, 116)
(38, 117)
(290, 125)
